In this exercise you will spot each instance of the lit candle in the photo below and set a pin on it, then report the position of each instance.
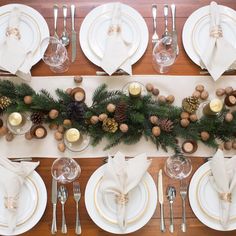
(15, 119)
(134, 89)
(72, 135)
(213, 107)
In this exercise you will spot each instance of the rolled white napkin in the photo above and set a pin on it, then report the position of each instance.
(223, 181)
(12, 177)
(13, 55)
(116, 55)
(219, 54)
(121, 176)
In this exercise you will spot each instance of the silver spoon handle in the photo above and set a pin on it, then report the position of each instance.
(64, 9)
(77, 220)
(166, 16)
(63, 224)
(55, 15)
(183, 225)
(171, 219)
(54, 220)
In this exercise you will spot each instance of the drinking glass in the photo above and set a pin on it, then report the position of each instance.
(65, 170)
(178, 167)
(163, 55)
(54, 54)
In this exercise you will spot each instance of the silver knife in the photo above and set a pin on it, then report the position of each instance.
(54, 205)
(174, 32)
(73, 32)
(161, 200)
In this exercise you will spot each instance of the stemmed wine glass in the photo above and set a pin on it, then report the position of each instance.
(65, 170)
(54, 54)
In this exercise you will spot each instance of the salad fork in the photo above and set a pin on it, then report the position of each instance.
(183, 194)
(154, 17)
(77, 196)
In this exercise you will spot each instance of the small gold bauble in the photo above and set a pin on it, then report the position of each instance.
(220, 92)
(170, 99)
(102, 117)
(204, 95)
(58, 135)
(199, 88)
(184, 123)
(228, 145)
(156, 131)
(94, 120)
(149, 87)
(229, 117)
(28, 136)
(67, 122)
(61, 147)
(184, 115)
(72, 135)
(196, 94)
(53, 114)
(229, 90)
(124, 128)
(153, 120)
(205, 135)
(27, 100)
(111, 107)
(9, 137)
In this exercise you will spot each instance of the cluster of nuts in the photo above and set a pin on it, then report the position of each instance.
(200, 92)
(186, 118)
(156, 130)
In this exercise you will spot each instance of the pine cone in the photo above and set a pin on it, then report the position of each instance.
(4, 102)
(166, 125)
(120, 112)
(110, 125)
(75, 110)
(37, 117)
(190, 104)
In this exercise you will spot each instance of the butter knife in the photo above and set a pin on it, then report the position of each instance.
(54, 205)
(73, 32)
(161, 200)
(174, 32)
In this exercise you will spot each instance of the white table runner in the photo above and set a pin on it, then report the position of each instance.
(179, 86)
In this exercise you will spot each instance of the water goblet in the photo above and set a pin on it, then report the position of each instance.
(163, 55)
(178, 166)
(54, 54)
(65, 170)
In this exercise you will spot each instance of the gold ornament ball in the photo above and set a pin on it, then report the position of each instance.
(234, 145)
(27, 100)
(111, 107)
(170, 99)
(199, 88)
(153, 120)
(124, 128)
(28, 136)
(58, 135)
(149, 87)
(156, 131)
(228, 145)
(61, 147)
(94, 120)
(229, 90)
(193, 117)
(102, 117)
(155, 91)
(184, 115)
(205, 135)
(162, 99)
(229, 117)
(67, 122)
(184, 123)
(3, 130)
(53, 114)
(196, 94)
(204, 95)
(68, 91)
(9, 137)
(220, 92)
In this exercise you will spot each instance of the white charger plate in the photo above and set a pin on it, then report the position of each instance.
(139, 211)
(204, 200)
(33, 28)
(94, 28)
(32, 204)
(195, 34)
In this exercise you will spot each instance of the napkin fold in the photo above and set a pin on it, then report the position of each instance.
(223, 180)
(121, 176)
(12, 177)
(116, 50)
(13, 55)
(219, 54)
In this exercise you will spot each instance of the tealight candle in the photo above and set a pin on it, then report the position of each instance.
(134, 89)
(72, 135)
(213, 107)
(15, 119)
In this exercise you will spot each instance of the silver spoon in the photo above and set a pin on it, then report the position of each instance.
(62, 195)
(171, 194)
(65, 40)
(167, 39)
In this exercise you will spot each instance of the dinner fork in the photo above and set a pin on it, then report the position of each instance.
(154, 17)
(183, 194)
(77, 196)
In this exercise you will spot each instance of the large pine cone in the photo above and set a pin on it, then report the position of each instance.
(4, 102)
(190, 104)
(120, 112)
(166, 125)
(76, 110)
(37, 117)
(110, 125)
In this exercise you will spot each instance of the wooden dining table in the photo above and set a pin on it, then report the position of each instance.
(82, 66)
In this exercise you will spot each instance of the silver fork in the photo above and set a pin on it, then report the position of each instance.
(154, 17)
(77, 196)
(183, 194)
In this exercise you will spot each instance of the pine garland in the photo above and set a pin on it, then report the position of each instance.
(138, 113)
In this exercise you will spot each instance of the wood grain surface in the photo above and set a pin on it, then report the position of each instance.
(82, 66)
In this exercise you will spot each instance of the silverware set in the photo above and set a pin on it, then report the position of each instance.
(61, 194)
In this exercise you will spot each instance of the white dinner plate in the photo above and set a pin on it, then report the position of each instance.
(204, 200)
(32, 204)
(140, 208)
(196, 36)
(33, 28)
(94, 28)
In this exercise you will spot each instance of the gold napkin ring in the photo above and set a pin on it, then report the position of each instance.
(114, 29)
(226, 197)
(10, 202)
(122, 199)
(216, 32)
(11, 31)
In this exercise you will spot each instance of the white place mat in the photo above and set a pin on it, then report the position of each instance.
(179, 86)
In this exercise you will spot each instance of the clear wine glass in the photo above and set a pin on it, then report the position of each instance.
(54, 54)
(65, 170)
(163, 55)
(178, 167)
